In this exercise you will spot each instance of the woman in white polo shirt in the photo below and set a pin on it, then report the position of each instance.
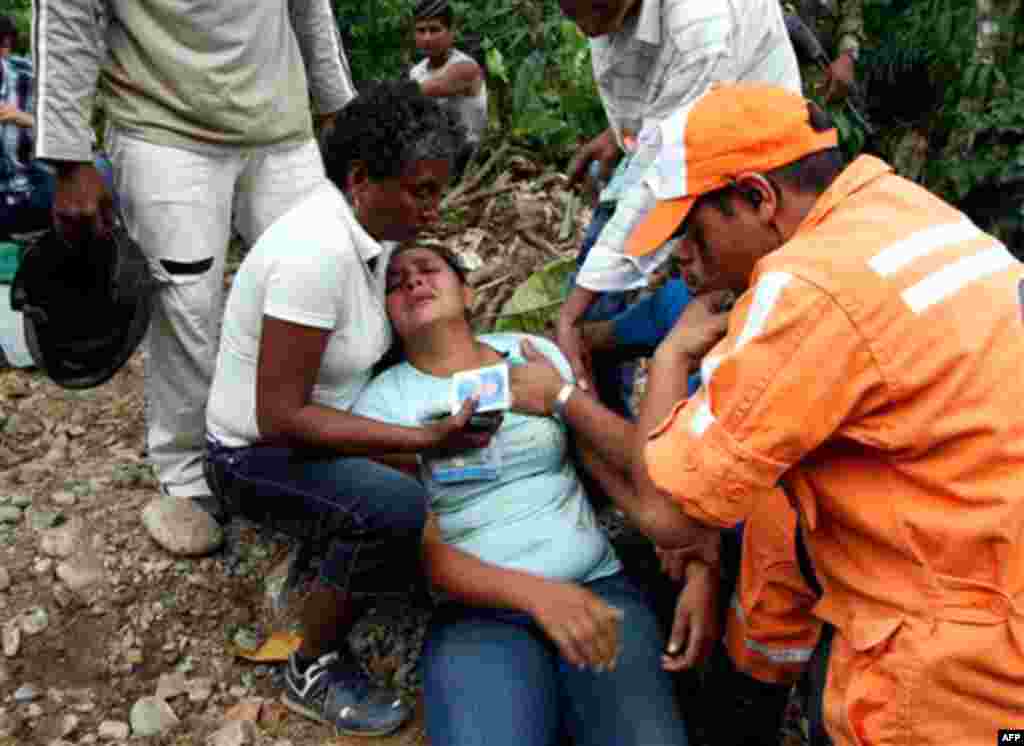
(304, 326)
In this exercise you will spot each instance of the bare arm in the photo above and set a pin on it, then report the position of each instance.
(289, 360)
(460, 79)
(598, 336)
(11, 113)
(656, 513)
(568, 335)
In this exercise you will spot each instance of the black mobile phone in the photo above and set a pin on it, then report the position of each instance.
(486, 422)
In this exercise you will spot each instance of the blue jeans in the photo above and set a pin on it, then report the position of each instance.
(26, 212)
(492, 677)
(370, 516)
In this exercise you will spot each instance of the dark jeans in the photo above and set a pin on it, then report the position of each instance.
(370, 516)
(613, 380)
(493, 677)
(27, 212)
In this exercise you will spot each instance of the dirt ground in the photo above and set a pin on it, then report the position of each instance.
(72, 457)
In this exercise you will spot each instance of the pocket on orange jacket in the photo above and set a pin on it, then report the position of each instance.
(869, 681)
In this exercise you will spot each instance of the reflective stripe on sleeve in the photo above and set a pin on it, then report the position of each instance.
(777, 655)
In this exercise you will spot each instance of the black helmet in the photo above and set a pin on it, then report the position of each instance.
(86, 305)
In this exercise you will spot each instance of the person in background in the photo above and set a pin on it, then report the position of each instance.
(450, 75)
(26, 186)
(533, 594)
(209, 125)
(829, 71)
(650, 58)
(304, 326)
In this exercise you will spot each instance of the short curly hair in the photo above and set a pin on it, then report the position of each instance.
(389, 126)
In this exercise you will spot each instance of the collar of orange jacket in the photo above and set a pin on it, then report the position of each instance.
(863, 171)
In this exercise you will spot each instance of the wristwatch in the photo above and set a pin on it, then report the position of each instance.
(562, 400)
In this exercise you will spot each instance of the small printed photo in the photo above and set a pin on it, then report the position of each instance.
(490, 384)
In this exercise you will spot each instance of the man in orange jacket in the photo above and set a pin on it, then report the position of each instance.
(872, 370)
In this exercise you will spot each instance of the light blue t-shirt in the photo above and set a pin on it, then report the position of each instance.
(535, 516)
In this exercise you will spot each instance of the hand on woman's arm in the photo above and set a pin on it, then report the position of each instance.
(584, 627)
(289, 362)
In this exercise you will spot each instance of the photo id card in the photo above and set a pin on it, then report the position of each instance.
(490, 384)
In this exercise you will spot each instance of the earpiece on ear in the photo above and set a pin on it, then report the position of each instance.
(754, 198)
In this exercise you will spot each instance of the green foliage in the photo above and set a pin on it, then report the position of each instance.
(377, 36)
(21, 12)
(926, 72)
(534, 305)
(537, 63)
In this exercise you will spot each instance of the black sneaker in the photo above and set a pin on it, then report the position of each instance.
(337, 692)
(212, 505)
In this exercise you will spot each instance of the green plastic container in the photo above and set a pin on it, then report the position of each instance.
(10, 253)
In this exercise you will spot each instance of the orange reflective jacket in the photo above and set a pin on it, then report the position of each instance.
(876, 369)
(770, 631)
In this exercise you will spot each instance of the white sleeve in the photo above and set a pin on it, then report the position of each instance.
(327, 70)
(701, 57)
(67, 49)
(607, 267)
(307, 290)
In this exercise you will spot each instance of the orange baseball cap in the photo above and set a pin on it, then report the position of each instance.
(728, 130)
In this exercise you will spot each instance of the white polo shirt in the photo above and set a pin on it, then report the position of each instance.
(310, 267)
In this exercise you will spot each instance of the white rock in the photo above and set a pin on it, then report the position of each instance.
(42, 566)
(151, 716)
(58, 450)
(112, 730)
(34, 711)
(200, 689)
(34, 621)
(235, 733)
(181, 527)
(64, 498)
(11, 638)
(68, 723)
(171, 685)
(82, 570)
(61, 542)
(5, 579)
